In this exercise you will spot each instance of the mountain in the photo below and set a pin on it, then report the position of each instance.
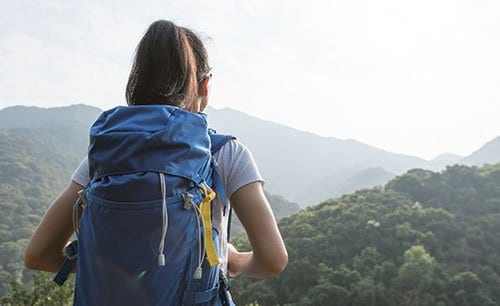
(344, 181)
(487, 154)
(39, 150)
(33, 169)
(301, 166)
(292, 160)
(426, 238)
(447, 158)
(69, 124)
(29, 117)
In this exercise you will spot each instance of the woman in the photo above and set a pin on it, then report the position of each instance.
(171, 67)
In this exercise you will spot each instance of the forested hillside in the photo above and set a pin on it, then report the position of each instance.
(425, 239)
(35, 164)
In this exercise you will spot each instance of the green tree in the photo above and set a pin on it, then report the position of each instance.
(415, 274)
(44, 292)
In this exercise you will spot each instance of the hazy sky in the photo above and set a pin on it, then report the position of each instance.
(414, 77)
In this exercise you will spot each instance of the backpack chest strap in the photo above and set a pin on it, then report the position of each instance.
(67, 266)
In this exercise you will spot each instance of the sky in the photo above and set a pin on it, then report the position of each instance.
(413, 77)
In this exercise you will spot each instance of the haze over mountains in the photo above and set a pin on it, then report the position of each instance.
(489, 153)
(301, 166)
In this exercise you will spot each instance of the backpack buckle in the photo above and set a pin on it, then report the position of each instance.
(225, 282)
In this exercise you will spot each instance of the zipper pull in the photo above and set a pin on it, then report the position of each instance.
(197, 273)
(161, 260)
(188, 200)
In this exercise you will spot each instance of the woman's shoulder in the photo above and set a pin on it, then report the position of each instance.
(233, 150)
(237, 166)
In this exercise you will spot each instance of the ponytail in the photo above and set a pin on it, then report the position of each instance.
(165, 67)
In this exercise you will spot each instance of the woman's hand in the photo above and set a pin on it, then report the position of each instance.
(233, 269)
(236, 260)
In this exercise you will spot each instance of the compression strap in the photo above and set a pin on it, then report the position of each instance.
(206, 214)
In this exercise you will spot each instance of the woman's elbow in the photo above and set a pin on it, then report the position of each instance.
(281, 263)
(35, 259)
(31, 260)
(277, 264)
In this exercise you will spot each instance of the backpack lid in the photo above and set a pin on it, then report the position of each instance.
(141, 138)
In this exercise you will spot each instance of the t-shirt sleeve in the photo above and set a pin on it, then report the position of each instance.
(81, 175)
(237, 166)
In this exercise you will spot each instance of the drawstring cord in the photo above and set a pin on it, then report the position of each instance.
(203, 219)
(201, 250)
(161, 255)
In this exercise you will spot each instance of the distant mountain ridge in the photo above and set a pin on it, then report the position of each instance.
(292, 160)
(487, 154)
(32, 116)
(448, 158)
(306, 168)
(303, 167)
(344, 181)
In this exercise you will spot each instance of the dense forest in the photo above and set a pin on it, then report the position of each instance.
(34, 166)
(424, 239)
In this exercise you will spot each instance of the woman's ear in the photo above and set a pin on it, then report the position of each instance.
(205, 86)
(204, 92)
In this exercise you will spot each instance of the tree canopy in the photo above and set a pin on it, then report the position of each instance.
(424, 239)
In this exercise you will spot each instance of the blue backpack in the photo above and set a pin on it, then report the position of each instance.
(146, 236)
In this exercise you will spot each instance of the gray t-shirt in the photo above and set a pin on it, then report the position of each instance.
(237, 168)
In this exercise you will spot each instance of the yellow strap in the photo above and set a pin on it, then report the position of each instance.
(206, 214)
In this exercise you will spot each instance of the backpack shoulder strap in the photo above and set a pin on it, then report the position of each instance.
(218, 141)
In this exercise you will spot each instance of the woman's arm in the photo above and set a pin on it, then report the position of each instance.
(45, 248)
(269, 256)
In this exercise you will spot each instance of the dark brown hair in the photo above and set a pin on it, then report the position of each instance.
(170, 63)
